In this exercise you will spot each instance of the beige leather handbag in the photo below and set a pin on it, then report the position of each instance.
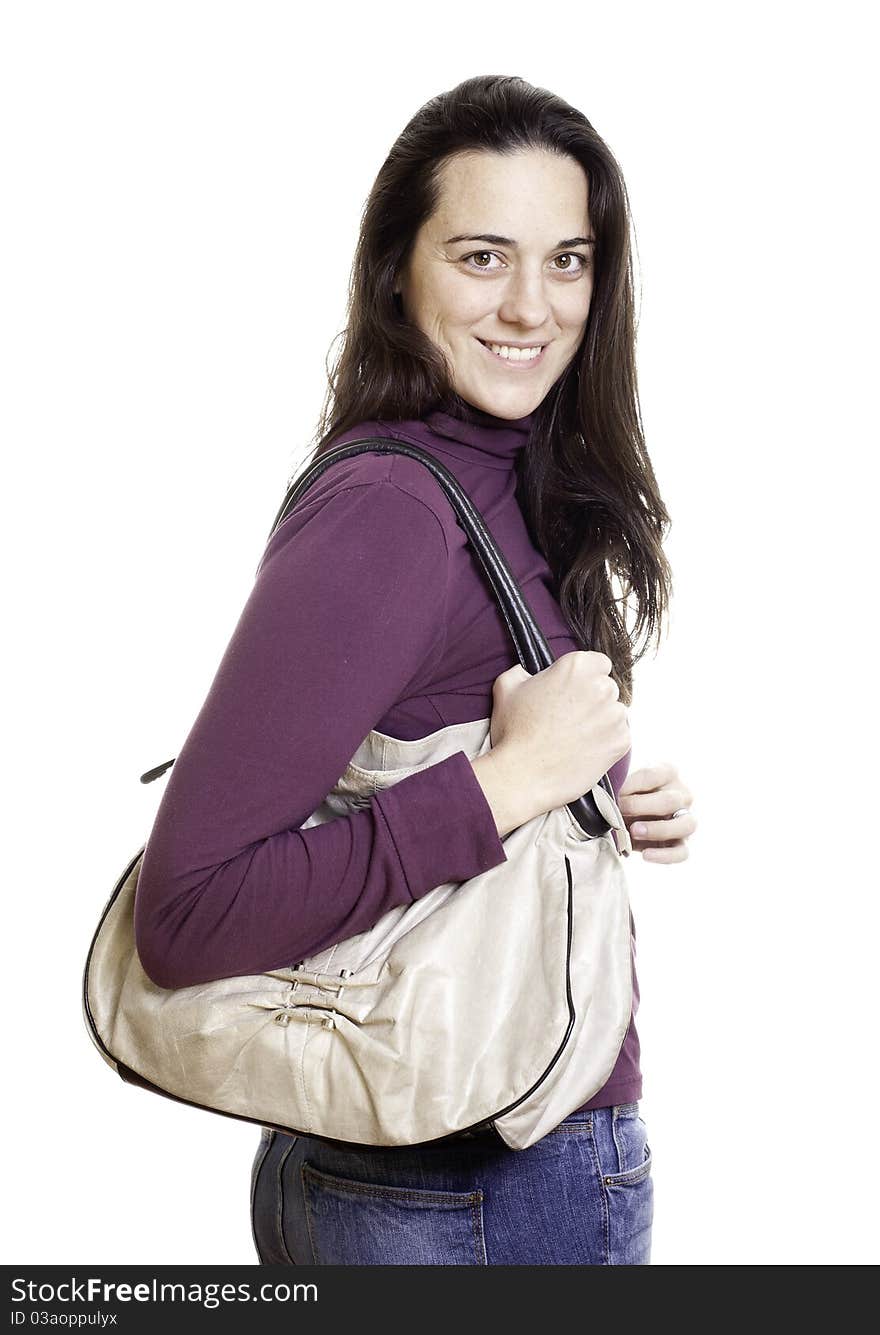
(499, 1002)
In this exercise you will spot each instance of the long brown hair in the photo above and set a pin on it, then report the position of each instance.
(586, 486)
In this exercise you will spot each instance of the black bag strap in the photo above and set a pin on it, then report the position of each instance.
(532, 649)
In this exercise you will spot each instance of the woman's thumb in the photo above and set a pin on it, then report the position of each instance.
(512, 677)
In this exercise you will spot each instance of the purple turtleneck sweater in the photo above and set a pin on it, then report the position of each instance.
(368, 610)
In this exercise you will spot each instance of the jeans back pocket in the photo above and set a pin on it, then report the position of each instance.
(370, 1223)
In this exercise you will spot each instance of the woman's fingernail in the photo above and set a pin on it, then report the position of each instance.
(640, 828)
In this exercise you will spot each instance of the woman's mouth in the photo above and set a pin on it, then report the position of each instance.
(518, 359)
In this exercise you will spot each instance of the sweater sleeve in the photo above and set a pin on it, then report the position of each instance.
(346, 614)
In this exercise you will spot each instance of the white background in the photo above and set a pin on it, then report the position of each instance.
(183, 184)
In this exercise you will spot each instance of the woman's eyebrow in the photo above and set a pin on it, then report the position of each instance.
(508, 241)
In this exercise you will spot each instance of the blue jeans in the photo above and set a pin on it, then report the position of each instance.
(583, 1195)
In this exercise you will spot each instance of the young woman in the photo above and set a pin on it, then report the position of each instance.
(491, 322)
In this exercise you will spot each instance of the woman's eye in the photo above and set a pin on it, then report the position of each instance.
(477, 260)
(479, 254)
(582, 261)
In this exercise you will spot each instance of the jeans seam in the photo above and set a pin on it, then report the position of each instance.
(279, 1203)
(603, 1203)
(622, 1165)
(307, 1208)
(422, 1195)
(477, 1224)
(260, 1165)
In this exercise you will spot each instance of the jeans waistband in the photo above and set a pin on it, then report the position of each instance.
(613, 1110)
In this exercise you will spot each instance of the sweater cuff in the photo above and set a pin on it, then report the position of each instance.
(441, 825)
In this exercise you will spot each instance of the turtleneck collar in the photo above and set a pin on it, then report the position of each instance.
(472, 435)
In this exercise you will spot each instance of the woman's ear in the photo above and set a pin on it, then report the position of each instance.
(397, 285)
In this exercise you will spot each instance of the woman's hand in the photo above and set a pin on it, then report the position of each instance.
(647, 800)
(554, 733)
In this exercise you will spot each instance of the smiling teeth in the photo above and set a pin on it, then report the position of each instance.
(515, 354)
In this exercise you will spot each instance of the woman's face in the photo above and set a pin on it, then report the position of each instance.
(505, 259)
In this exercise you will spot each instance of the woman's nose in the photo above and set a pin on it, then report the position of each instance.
(525, 300)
